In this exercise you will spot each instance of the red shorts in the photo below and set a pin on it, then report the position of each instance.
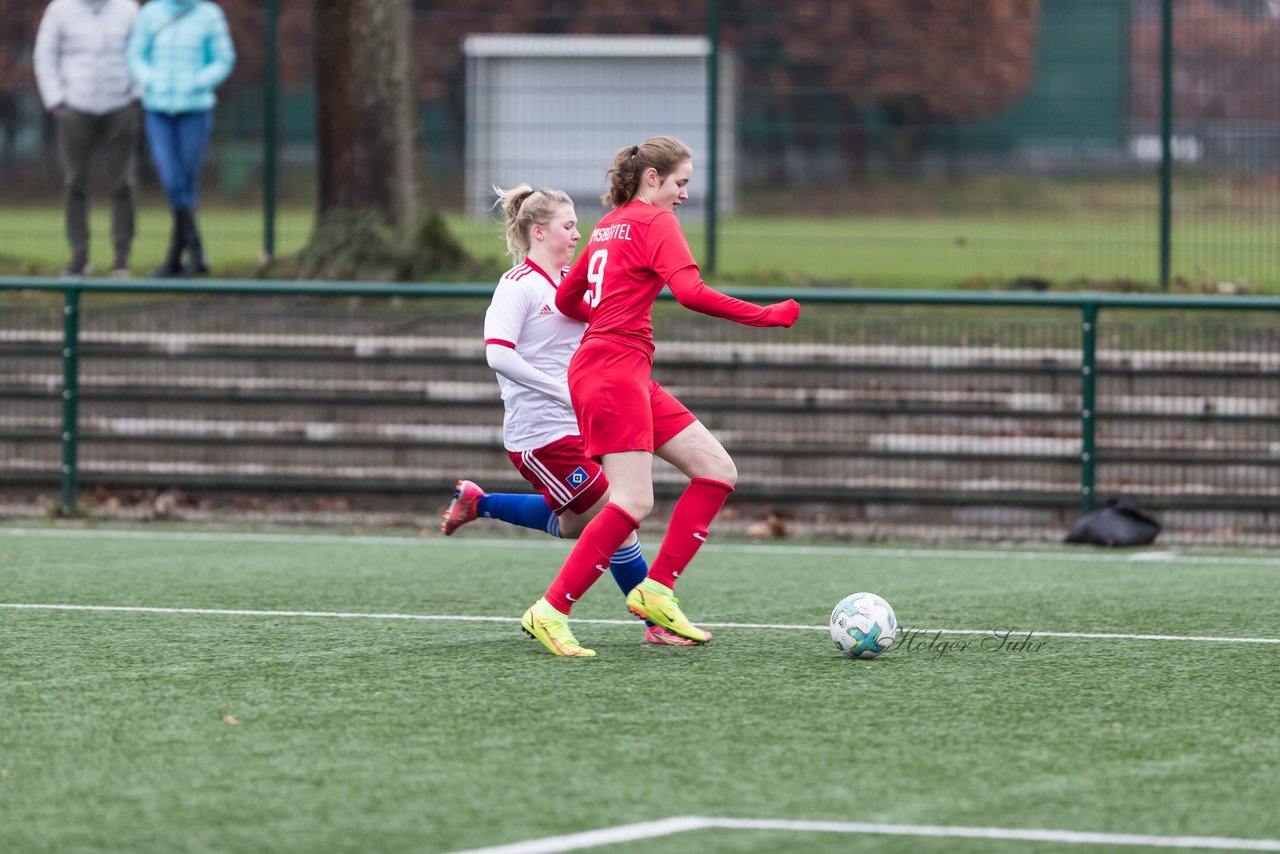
(562, 472)
(619, 406)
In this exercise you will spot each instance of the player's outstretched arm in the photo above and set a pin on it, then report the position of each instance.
(694, 294)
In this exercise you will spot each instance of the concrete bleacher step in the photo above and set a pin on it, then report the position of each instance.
(1213, 399)
(754, 435)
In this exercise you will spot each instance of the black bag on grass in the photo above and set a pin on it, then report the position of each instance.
(1121, 522)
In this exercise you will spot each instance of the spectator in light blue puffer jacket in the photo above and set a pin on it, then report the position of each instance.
(179, 52)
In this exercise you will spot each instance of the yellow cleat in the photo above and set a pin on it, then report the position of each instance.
(544, 623)
(657, 603)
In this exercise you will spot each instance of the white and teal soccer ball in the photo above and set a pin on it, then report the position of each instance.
(863, 625)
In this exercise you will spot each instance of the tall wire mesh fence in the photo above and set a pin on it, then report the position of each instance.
(981, 143)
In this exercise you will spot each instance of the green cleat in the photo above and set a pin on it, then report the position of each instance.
(544, 623)
(657, 603)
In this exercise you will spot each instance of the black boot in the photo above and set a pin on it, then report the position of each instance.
(79, 263)
(196, 264)
(120, 266)
(172, 265)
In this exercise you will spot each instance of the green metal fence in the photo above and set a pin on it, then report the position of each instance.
(890, 413)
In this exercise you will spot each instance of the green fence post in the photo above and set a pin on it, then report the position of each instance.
(1088, 402)
(70, 399)
(713, 132)
(270, 142)
(1166, 141)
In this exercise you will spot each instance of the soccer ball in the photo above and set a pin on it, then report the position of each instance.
(863, 625)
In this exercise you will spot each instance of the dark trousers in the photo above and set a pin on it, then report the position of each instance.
(114, 137)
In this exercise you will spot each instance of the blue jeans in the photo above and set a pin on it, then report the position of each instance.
(177, 147)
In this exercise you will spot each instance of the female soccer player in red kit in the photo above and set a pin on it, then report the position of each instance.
(625, 417)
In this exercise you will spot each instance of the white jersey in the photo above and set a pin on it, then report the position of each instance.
(79, 55)
(524, 317)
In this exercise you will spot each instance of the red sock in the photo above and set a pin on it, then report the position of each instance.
(701, 501)
(590, 556)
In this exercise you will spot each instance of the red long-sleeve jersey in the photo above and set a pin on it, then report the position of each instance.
(632, 254)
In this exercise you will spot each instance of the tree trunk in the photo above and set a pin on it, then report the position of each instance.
(366, 132)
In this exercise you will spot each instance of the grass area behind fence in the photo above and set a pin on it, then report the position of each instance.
(944, 250)
(167, 691)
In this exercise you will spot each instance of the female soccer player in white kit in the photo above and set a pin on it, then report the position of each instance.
(528, 343)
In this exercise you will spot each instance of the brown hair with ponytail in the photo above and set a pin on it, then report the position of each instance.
(663, 153)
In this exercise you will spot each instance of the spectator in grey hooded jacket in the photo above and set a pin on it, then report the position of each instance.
(84, 80)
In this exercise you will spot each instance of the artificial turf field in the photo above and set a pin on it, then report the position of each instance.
(238, 692)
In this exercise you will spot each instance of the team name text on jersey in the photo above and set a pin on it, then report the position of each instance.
(617, 231)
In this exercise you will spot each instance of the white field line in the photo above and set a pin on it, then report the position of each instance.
(1081, 555)
(463, 618)
(682, 824)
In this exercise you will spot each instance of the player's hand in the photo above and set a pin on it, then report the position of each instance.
(782, 313)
